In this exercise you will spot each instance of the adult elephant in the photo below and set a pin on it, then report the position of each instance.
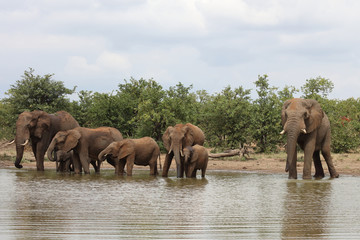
(175, 140)
(39, 128)
(143, 151)
(305, 123)
(86, 144)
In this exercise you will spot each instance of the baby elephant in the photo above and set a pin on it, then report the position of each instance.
(143, 151)
(64, 161)
(196, 157)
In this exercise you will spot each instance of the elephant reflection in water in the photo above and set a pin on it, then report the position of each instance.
(305, 208)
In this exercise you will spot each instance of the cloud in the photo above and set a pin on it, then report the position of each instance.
(105, 63)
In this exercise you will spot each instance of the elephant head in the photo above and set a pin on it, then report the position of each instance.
(28, 124)
(64, 141)
(188, 152)
(175, 140)
(117, 150)
(299, 116)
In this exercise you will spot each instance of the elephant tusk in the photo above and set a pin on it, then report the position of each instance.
(282, 132)
(26, 142)
(169, 151)
(182, 153)
(11, 142)
(303, 131)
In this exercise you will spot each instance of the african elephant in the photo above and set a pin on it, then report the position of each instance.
(39, 127)
(196, 157)
(64, 161)
(86, 143)
(175, 140)
(143, 151)
(305, 123)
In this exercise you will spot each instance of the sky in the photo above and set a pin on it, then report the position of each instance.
(209, 44)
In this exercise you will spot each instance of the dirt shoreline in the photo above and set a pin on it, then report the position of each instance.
(345, 164)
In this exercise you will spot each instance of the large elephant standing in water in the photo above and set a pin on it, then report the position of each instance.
(39, 128)
(305, 123)
(175, 140)
(86, 144)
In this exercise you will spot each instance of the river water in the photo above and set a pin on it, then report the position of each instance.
(224, 205)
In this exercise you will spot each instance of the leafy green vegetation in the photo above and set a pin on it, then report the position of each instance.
(143, 107)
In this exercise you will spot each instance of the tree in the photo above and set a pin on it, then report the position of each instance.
(317, 88)
(266, 119)
(225, 118)
(287, 93)
(38, 92)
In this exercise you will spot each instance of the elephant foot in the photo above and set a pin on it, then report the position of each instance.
(319, 176)
(336, 175)
(307, 177)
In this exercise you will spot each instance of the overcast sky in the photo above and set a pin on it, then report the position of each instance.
(96, 44)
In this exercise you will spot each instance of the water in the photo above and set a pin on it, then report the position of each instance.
(225, 205)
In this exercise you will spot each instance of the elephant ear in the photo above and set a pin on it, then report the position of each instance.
(283, 110)
(315, 117)
(166, 138)
(72, 140)
(189, 137)
(126, 148)
(43, 124)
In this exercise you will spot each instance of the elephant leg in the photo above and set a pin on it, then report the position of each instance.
(76, 163)
(153, 166)
(193, 175)
(40, 153)
(167, 163)
(308, 155)
(326, 154)
(319, 171)
(121, 166)
(129, 165)
(96, 168)
(203, 170)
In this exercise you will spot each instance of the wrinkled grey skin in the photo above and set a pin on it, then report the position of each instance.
(195, 158)
(175, 140)
(306, 124)
(39, 128)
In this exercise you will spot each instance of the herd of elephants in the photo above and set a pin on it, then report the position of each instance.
(74, 148)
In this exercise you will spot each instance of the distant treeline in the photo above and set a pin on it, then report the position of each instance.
(144, 108)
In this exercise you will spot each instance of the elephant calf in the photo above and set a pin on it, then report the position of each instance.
(64, 161)
(143, 151)
(196, 157)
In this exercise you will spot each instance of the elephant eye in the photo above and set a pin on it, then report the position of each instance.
(306, 115)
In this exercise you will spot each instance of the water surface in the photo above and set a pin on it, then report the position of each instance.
(224, 205)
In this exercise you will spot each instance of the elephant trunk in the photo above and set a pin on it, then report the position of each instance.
(21, 139)
(291, 149)
(51, 152)
(178, 153)
(102, 154)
